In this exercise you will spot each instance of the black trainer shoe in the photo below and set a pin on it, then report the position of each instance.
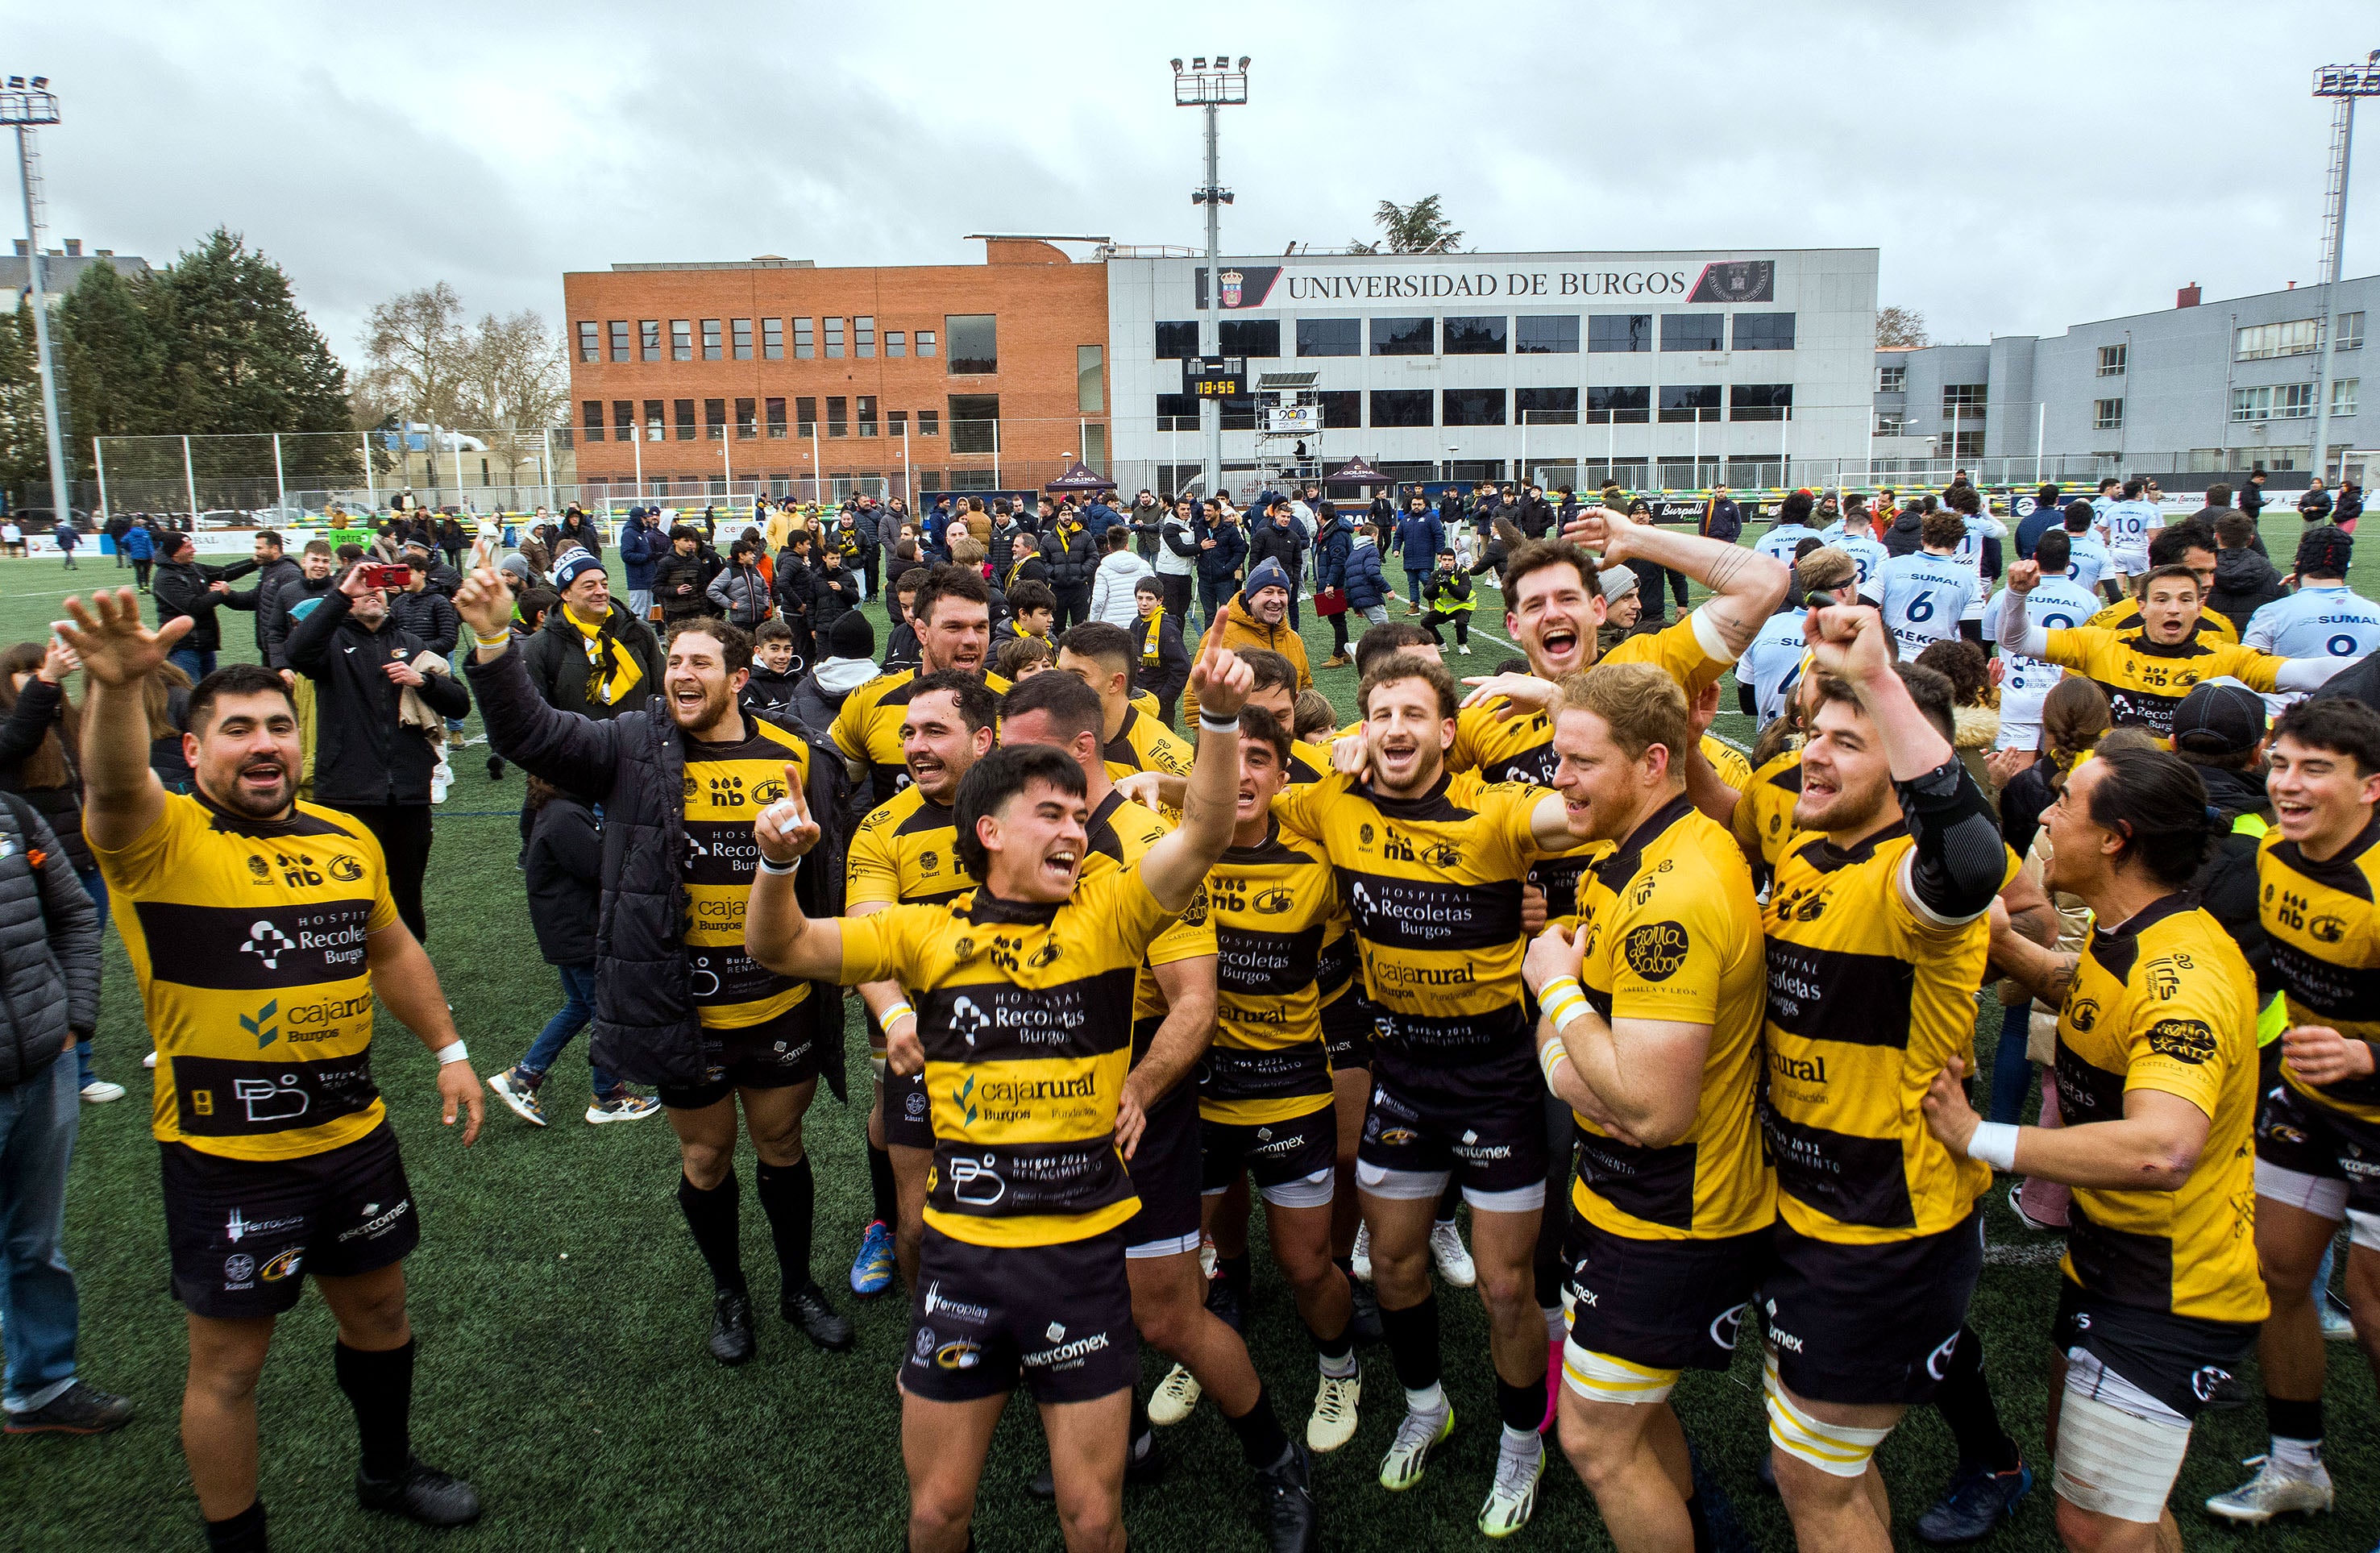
(1973, 1506)
(1141, 1468)
(1364, 1325)
(731, 1326)
(495, 768)
(1293, 1521)
(77, 1410)
(806, 1307)
(1223, 1302)
(423, 1494)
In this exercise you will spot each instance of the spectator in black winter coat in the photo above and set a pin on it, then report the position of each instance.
(797, 587)
(1071, 553)
(272, 569)
(2315, 506)
(681, 580)
(183, 587)
(422, 612)
(441, 578)
(2349, 507)
(368, 760)
(312, 579)
(2245, 581)
(1024, 564)
(849, 662)
(576, 525)
(776, 671)
(1162, 665)
(1901, 538)
(2218, 508)
(1222, 555)
(591, 656)
(2220, 730)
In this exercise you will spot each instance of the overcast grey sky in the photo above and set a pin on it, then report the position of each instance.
(2022, 167)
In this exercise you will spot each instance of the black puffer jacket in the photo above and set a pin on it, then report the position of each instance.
(35, 713)
(291, 592)
(429, 617)
(557, 662)
(564, 865)
(184, 588)
(362, 753)
(49, 947)
(645, 1026)
(2227, 882)
(1903, 538)
(1071, 555)
(264, 599)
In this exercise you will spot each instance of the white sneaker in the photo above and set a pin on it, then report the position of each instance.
(2337, 1325)
(517, 1096)
(99, 1092)
(150, 1060)
(1207, 1258)
(1175, 1399)
(1514, 1496)
(1464, 648)
(1417, 1434)
(2275, 1490)
(625, 1106)
(1454, 1263)
(1360, 1261)
(1333, 1423)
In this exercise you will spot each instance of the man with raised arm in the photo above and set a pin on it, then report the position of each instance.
(240, 905)
(1025, 1038)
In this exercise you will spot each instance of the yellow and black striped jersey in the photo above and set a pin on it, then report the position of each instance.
(2144, 681)
(1762, 822)
(1144, 743)
(868, 729)
(1025, 1015)
(1121, 834)
(1868, 998)
(727, 785)
(1432, 887)
(1672, 934)
(2166, 1003)
(247, 939)
(1276, 908)
(905, 852)
(2325, 932)
(2124, 616)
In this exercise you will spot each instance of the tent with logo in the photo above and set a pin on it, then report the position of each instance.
(1356, 472)
(1079, 476)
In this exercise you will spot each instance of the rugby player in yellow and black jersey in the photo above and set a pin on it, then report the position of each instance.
(1650, 1032)
(953, 616)
(1431, 867)
(1266, 1103)
(2146, 672)
(2318, 878)
(1024, 1037)
(259, 930)
(1876, 944)
(1102, 657)
(905, 853)
(678, 1002)
(2157, 1091)
(2182, 545)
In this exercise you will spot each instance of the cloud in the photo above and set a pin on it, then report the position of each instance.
(2020, 167)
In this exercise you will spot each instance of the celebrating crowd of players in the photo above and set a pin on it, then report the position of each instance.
(1540, 934)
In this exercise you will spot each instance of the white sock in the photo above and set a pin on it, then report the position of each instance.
(1341, 1369)
(1429, 1399)
(2299, 1457)
(1519, 1442)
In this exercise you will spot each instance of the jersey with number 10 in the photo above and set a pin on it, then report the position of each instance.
(1923, 597)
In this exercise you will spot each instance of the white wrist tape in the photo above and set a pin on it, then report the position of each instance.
(1994, 1144)
(454, 1052)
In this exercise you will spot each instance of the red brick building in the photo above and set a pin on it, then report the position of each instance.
(779, 376)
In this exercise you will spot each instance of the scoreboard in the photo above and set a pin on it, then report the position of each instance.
(1214, 377)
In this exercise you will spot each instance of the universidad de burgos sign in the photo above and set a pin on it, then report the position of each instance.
(1725, 282)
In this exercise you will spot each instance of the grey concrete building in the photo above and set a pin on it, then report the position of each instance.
(61, 268)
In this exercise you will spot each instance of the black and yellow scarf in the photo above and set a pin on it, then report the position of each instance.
(612, 669)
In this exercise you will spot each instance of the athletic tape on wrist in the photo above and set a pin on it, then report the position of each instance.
(1994, 1144)
(1227, 725)
(504, 640)
(455, 1051)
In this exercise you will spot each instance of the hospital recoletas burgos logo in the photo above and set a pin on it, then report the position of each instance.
(267, 943)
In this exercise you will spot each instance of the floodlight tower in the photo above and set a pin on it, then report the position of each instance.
(1212, 85)
(2344, 84)
(26, 106)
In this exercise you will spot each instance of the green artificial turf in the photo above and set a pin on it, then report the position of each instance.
(561, 1310)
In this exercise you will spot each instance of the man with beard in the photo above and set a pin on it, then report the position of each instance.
(905, 853)
(678, 1004)
(1431, 867)
(1025, 986)
(1257, 616)
(953, 616)
(273, 1167)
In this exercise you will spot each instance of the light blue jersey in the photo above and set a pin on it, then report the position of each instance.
(2054, 604)
(1861, 545)
(1923, 597)
(1779, 542)
(2314, 622)
(1772, 665)
(2087, 560)
(2130, 525)
(1971, 553)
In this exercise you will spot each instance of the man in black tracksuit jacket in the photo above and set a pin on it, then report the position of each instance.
(366, 761)
(650, 977)
(183, 587)
(272, 569)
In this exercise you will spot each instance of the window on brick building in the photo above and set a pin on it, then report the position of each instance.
(714, 419)
(896, 423)
(776, 413)
(803, 348)
(655, 429)
(747, 420)
(806, 416)
(974, 344)
(895, 343)
(623, 347)
(838, 416)
(772, 339)
(925, 341)
(591, 416)
(711, 339)
(1091, 387)
(866, 406)
(833, 338)
(684, 408)
(975, 422)
(680, 339)
(929, 423)
(863, 337)
(590, 341)
(624, 420)
(743, 337)
(649, 336)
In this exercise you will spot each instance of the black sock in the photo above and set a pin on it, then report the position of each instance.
(1965, 1403)
(1447, 1199)
(1700, 1520)
(1413, 1342)
(380, 1387)
(711, 1216)
(243, 1532)
(1335, 1349)
(789, 1196)
(1522, 1407)
(2293, 1420)
(886, 1196)
(1262, 1440)
(1235, 1274)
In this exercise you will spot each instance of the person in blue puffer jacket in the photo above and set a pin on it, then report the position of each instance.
(642, 545)
(1334, 537)
(1421, 534)
(1366, 579)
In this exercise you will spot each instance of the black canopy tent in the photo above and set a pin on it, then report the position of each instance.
(1079, 476)
(1356, 472)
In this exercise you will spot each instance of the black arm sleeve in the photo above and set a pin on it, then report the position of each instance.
(1960, 858)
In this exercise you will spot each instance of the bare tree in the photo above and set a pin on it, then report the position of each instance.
(414, 352)
(516, 385)
(1899, 326)
(1420, 227)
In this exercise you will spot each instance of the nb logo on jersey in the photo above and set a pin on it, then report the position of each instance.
(296, 872)
(1396, 847)
(727, 792)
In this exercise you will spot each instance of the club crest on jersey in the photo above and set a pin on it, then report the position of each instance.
(345, 869)
(259, 869)
(2083, 1013)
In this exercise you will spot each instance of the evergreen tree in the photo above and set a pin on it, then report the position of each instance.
(112, 366)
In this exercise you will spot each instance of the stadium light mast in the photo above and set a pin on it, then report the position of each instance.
(2344, 84)
(26, 106)
(1209, 85)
